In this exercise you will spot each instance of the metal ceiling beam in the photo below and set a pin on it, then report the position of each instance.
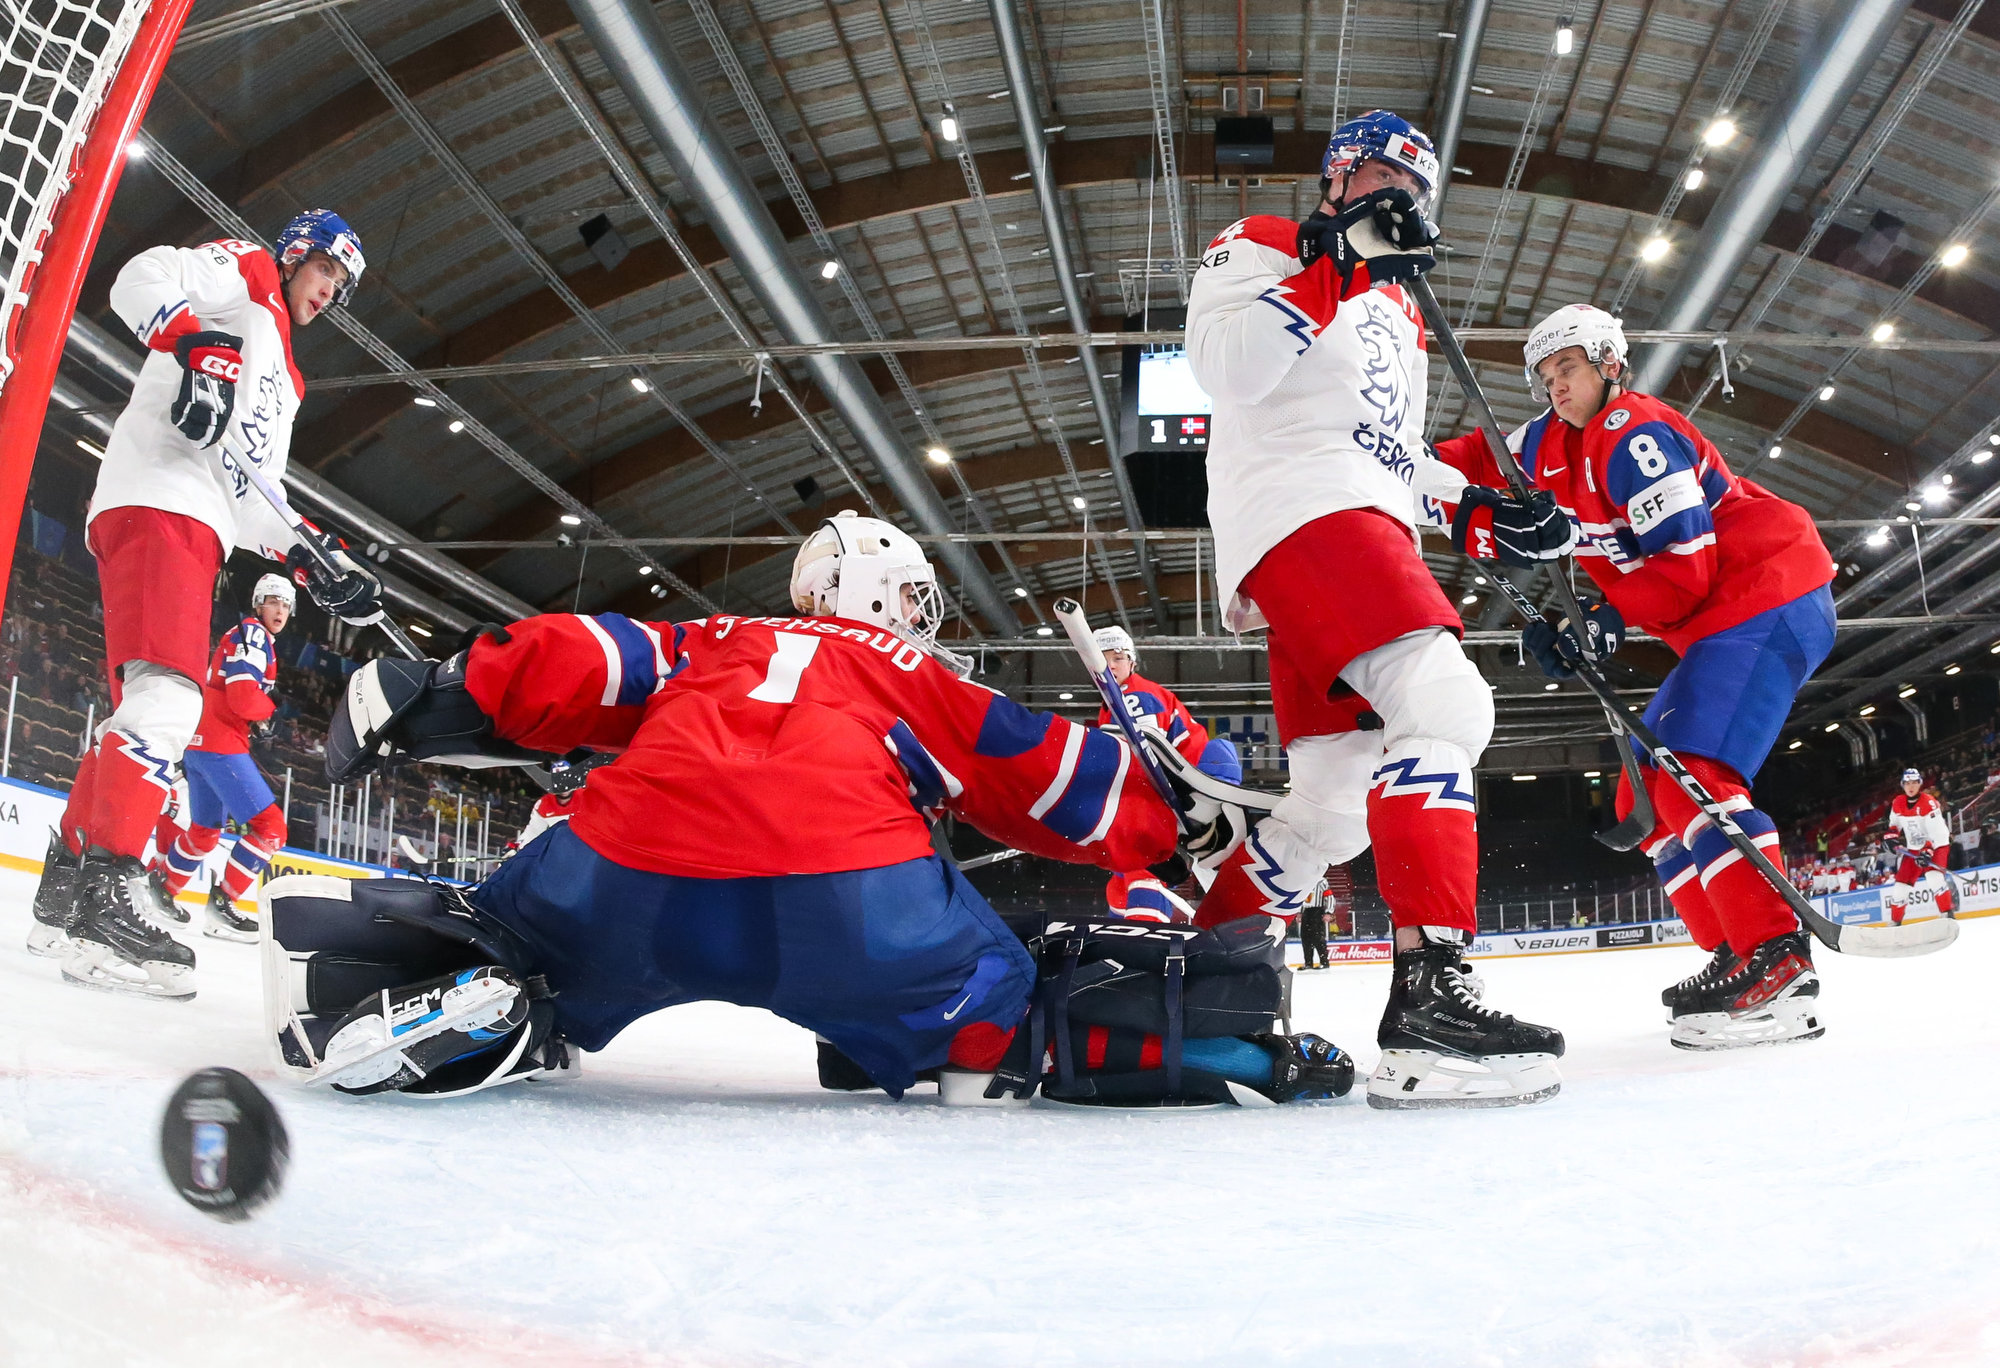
(1048, 195)
(628, 37)
(119, 365)
(1823, 80)
(1457, 91)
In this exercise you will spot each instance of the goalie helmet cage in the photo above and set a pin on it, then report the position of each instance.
(75, 79)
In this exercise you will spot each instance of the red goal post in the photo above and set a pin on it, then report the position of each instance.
(75, 79)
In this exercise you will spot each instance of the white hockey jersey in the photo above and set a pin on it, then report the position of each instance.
(227, 287)
(1921, 824)
(1319, 398)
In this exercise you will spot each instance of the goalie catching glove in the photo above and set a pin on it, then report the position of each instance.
(418, 708)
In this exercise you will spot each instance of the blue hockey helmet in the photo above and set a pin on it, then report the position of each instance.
(1379, 135)
(1219, 760)
(1913, 776)
(322, 230)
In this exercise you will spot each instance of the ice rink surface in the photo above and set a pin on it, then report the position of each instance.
(696, 1199)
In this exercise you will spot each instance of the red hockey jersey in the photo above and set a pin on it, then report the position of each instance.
(1682, 547)
(1147, 701)
(237, 689)
(768, 746)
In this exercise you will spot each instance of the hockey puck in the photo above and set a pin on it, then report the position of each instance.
(223, 1145)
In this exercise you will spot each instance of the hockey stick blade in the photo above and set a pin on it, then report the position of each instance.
(1898, 942)
(1070, 614)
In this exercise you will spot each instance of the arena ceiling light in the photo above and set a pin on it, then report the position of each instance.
(1776, 452)
(1020, 592)
(457, 425)
(571, 520)
(1695, 177)
(1524, 778)
(948, 125)
(1655, 249)
(1565, 39)
(1907, 691)
(1064, 697)
(1831, 726)
(640, 385)
(424, 401)
(938, 456)
(1953, 669)
(1826, 392)
(1868, 711)
(1045, 631)
(645, 569)
(1550, 687)
(1879, 537)
(829, 269)
(1720, 133)
(1936, 493)
(1795, 745)
(1954, 255)
(1882, 332)
(418, 629)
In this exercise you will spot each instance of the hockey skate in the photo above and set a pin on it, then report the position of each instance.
(406, 1039)
(1722, 962)
(166, 904)
(1770, 999)
(1443, 1047)
(56, 903)
(224, 922)
(119, 943)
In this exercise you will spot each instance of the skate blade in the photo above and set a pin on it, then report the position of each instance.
(1711, 1031)
(161, 982)
(1416, 1080)
(223, 931)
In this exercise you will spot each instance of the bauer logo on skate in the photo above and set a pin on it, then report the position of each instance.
(1400, 779)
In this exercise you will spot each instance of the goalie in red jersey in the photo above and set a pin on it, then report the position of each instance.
(764, 838)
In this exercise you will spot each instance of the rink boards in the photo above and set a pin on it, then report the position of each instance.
(28, 812)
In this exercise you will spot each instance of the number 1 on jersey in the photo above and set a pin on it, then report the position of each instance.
(781, 677)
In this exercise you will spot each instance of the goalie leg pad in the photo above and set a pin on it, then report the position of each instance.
(455, 1034)
(326, 944)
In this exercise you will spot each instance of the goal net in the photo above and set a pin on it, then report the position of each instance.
(75, 79)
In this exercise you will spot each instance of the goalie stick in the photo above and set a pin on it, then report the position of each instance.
(1627, 834)
(310, 539)
(1875, 942)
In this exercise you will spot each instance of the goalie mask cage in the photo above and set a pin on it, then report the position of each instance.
(75, 79)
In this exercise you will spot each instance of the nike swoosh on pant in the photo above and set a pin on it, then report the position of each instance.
(953, 1013)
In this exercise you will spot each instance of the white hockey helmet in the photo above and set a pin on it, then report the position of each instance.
(274, 587)
(1600, 334)
(1115, 639)
(856, 567)
(1913, 776)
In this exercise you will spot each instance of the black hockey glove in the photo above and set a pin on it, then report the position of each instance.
(418, 708)
(1492, 524)
(353, 594)
(1557, 648)
(1386, 232)
(211, 364)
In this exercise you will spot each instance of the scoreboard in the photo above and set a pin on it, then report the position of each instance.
(1163, 432)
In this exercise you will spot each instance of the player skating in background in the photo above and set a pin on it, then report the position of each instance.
(1916, 818)
(219, 388)
(1316, 364)
(763, 839)
(1138, 894)
(1730, 576)
(224, 783)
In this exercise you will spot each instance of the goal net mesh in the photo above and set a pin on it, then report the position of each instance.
(59, 60)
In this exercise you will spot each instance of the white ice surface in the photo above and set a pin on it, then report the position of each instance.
(696, 1199)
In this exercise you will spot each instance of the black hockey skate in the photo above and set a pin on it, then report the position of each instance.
(55, 901)
(1770, 999)
(1304, 1067)
(1442, 1047)
(118, 943)
(1722, 962)
(225, 922)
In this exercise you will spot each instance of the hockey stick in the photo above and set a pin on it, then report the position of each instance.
(1627, 834)
(1070, 614)
(310, 540)
(1875, 942)
(981, 861)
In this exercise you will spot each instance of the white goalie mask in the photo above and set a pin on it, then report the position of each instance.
(869, 571)
(1600, 334)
